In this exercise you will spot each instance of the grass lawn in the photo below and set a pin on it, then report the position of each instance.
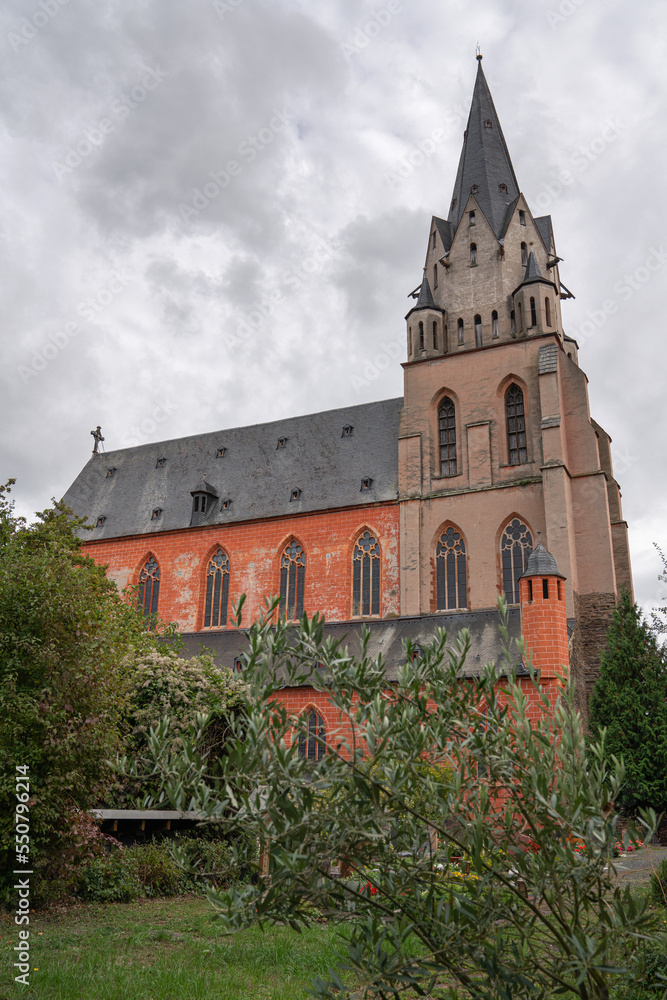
(164, 949)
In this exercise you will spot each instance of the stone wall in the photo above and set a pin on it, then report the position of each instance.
(593, 617)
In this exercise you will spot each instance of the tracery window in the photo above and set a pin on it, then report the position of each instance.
(447, 421)
(312, 746)
(451, 573)
(516, 545)
(516, 426)
(292, 577)
(149, 587)
(217, 590)
(366, 576)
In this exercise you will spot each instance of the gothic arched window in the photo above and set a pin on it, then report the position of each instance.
(451, 578)
(447, 422)
(516, 545)
(516, 426)
(292, 576)
(149, 587)
(217, 590)
(312, 745)
(478, 331)
(366, 576)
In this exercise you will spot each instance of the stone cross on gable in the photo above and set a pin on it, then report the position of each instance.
(97, 434)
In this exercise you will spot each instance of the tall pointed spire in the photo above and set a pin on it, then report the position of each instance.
(485, 169)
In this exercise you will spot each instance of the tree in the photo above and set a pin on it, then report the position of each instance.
(518, 801)
(65, 634)
(630, 701)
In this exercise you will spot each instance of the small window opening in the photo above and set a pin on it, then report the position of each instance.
(435, 275)
(547, 311)
(524, 254)
(533, 312)
(435, 336)
(488, 123)
(220, 452)
(545, 589)
(111, 472)
(460, 327)
(421, 336)
(366, 483)
(522, 217)
(520, 317)
(296, 493)
(101, 520)
(530, 590)
(202, 505)
(473, 254)
(434, 239)
(471, 218)
(195, 505)
(160, 463)
(494, 325)
(282, 441)
(347, 430)
(238, 664)
(513, 323)
(409, 340)
(559, 584)
(478, 331)
(503, 188)
(226, 503)
(157, 511)
(474, 189)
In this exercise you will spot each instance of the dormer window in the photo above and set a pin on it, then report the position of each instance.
(471, 218)
(156, 513)
(101, 521)
(220, 452)
(366, 483)
(347, 430)
(503, 188)
(474, 189)
(522, 217)
(225, 504)
(488, 123)
(282, 441)
(203, 499)
(296, 494)
(111, 472)
(161, 462)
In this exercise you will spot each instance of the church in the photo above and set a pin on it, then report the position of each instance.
(404, 514)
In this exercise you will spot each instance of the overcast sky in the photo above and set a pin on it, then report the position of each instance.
(210, 217)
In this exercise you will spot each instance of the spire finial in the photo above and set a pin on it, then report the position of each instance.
(478, 53)
(539, 537)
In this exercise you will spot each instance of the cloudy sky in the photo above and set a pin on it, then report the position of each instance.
(210, 217)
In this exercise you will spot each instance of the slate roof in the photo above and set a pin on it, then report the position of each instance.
(533, 270)
(485, 162)
(425, 299)
(386, 637)
(543, 224)
(446, 231)
(255, 474)
(541, 563)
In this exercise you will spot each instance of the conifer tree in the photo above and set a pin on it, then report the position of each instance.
(630, 701)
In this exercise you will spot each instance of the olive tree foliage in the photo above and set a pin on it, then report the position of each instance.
(517, 798)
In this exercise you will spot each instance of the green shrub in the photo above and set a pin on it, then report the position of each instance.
(109, 880)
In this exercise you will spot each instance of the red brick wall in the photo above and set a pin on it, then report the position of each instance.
(254, 550)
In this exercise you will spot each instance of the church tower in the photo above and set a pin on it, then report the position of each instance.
(496, 441)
